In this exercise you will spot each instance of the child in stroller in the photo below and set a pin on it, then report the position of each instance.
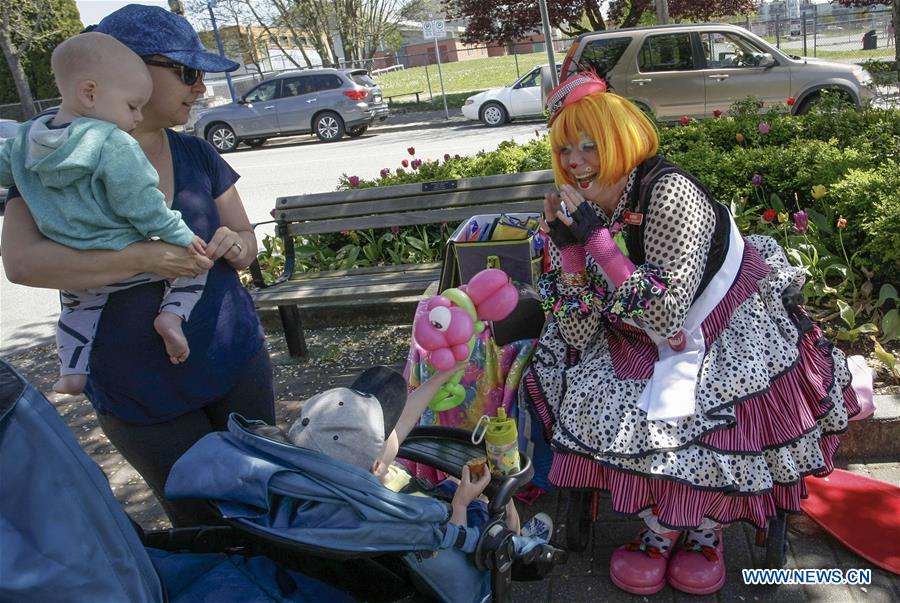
(320, 489)
(364, 425)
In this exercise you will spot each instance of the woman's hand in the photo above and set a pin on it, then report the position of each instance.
(582, 219)
(225, 243)
(558, 226)
(171, 261)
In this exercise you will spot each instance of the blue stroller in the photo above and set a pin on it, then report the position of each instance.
(300, 530)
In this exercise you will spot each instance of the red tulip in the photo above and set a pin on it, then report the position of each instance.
(790, 101)
(405, 163)
(841, 223)
(685, 120)
(411, 150)
(739, 137)
(354, 181)
(768, 216)
(717, 114)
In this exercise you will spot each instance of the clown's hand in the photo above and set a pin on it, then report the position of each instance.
(557, 225)
(584, 219)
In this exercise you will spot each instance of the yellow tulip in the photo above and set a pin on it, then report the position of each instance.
(818, 191)
(782, 217)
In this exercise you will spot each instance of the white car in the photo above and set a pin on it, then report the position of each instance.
(497, 106)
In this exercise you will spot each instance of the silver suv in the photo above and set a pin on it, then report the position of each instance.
(327, 102)
(695, 70)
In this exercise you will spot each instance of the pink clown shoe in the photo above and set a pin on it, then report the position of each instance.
(698, 568)
(639, 567)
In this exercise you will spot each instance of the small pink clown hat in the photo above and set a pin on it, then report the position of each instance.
(573, 89)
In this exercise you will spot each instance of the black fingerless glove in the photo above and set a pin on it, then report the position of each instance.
(585, 222)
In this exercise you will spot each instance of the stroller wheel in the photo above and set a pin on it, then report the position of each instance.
(776, 541)
(578, 520)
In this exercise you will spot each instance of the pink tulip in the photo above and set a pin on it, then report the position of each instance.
(354, 181)
(801, 221)
(763, 128)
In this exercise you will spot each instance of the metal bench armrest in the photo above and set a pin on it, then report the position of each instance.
(281, 231)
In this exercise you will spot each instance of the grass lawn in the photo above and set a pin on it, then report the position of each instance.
(461, 78)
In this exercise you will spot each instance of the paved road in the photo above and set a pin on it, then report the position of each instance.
(286, 167)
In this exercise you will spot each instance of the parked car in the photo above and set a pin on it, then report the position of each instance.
(8, 129)
(696, 69)
(326, 102)
(522, 98)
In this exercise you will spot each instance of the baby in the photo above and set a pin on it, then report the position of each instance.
(89, 185)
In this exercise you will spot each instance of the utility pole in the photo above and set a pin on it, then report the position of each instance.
(548, 41)
(662, 12)
(210, 4)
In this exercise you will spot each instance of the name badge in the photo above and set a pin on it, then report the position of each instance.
(632, 217)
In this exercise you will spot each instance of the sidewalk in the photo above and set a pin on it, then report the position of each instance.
(338, 353)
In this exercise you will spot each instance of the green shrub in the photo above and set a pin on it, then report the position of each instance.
(870, 200)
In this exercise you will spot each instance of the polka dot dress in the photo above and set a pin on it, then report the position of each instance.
(770, 400)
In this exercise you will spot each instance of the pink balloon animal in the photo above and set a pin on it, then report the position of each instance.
(453, 318)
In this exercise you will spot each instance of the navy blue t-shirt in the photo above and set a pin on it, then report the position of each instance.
(131, 376)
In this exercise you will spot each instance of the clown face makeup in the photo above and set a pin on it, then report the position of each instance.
(581, 161)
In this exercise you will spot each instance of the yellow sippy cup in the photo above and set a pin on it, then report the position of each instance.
(500, 438)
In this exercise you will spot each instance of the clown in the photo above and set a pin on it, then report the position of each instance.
(670, 372)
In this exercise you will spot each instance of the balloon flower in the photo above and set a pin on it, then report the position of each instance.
(451, 321)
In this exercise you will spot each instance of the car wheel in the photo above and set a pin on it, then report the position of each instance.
(357, 131)
(810, 101)
(493, 115)
(255, 143)
(328, 126)
(222, 137)
(807, 104)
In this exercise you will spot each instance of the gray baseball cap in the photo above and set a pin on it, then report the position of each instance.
(351, 424)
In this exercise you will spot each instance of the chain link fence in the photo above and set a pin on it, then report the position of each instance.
(829, 32)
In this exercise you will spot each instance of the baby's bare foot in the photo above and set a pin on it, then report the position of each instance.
(70, 384)
(168, 326)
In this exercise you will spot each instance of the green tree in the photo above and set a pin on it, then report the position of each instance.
(29, 31)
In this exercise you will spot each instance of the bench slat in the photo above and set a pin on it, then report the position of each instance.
(307, 296)
(411, 190)
(431, 216)
(419, 203)
(329, 274)
(359, 279)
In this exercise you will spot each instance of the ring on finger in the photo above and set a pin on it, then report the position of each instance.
(238, 245)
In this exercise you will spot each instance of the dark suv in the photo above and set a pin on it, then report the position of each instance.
(327, 102)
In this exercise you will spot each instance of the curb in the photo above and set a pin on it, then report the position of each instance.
(877, 437)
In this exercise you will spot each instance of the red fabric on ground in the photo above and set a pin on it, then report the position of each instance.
(863, 513)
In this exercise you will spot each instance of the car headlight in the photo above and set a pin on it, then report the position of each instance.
(469, 101)
(862, 76)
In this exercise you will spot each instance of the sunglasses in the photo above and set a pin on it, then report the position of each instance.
(189, 75)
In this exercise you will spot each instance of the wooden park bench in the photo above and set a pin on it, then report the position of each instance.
(380, 207)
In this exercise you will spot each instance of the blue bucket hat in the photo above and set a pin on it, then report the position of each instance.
(153, 30)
